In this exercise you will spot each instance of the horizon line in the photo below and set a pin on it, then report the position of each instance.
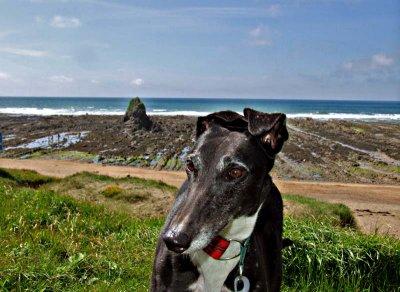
(210, 98)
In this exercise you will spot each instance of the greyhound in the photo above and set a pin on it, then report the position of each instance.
(224, 231)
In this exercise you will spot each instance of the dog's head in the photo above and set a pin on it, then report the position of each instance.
(227, 175)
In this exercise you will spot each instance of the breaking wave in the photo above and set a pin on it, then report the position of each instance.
(346, 116)
(53, 112)
(164, 112)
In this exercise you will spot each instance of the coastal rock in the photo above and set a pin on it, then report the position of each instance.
(110, 139)
(136, 117)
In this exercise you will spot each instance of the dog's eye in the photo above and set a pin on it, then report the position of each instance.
(190, 166)
(236, 173)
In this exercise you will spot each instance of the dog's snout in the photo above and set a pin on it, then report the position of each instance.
(176, 241)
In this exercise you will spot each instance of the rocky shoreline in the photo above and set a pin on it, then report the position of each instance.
(333, 150)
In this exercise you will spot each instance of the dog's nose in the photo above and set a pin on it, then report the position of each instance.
(176, 241)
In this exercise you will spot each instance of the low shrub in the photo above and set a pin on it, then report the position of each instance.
(112, 191)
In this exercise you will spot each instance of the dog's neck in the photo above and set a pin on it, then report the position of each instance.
(213, 273)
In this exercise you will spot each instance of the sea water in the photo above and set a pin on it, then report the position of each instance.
(320, 109)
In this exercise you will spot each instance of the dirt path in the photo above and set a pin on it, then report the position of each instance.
(376, 207)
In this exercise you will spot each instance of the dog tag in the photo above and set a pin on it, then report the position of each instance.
(243, 283)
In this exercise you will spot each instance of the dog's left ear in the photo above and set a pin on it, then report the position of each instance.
(270, 128)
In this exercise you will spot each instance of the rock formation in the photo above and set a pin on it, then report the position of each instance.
(136, 117)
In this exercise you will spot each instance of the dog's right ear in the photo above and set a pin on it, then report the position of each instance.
(227, 119)
(270, 128)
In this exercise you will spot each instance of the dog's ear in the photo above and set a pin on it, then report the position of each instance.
(227, 119)
(270, 128)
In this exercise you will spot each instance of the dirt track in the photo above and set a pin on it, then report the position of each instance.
(376, 207)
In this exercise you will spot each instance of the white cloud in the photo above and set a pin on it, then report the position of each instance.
(260, 36)
(61, 79)
(137, 82)
(376, 62)
(381, 60)
(95, 81)
(4, 76)
(24, 52)
(65, 22)
(274, 10)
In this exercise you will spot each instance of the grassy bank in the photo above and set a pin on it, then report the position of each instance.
(59, 235)
(329, 254)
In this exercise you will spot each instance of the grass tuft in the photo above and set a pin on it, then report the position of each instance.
(133, 180)
(111, 191)
(119, 194)
(28, 178)
(315, 210)
(116, 192)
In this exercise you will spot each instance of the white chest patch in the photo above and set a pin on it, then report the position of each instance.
(213, 273)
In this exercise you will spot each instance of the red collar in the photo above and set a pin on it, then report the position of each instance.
(217, 247)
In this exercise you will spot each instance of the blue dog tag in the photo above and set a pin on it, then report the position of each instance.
(244, 281)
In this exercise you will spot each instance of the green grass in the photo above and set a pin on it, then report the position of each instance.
(357, 130)
(50, 242)
(53, 242)
(360, 171)
(87, 176)
(90, 183)
(27, 178)
(389, 168)
(327, 258)
(329, 254)
(112, 191)
(69, 155)
(117, 193)
(318, 211)
(59, 154)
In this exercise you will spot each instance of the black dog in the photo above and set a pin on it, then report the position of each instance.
(227, 204)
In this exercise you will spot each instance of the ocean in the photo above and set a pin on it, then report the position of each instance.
(319, 109)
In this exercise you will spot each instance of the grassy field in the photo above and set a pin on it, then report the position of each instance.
(85, 232)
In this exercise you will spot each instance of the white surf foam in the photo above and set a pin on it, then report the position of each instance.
(164, 112)
(341, 116)
(178, 113)
(346, 116)
(52, 112)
